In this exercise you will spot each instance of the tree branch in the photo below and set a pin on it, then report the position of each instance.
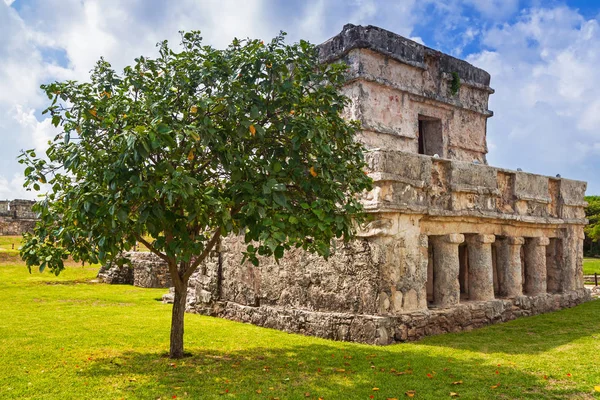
(139, 238)
(209, 246)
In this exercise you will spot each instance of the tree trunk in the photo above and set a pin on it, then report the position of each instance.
(176, 350)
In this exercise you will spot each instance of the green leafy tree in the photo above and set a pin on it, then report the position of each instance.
(592, 231)
(193, 146)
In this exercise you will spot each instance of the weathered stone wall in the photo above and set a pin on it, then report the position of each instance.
(394, 82)
(15, 227)
(383, 330)
(145, 270)
(349, 280)
(16, 217)
(149, 270)
(116, 275)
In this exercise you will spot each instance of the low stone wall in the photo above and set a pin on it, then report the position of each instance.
(383, 330)
(16, 217)
(116, 275)
(590, 278)
(149, 271)
(146, 270)
(10, 226)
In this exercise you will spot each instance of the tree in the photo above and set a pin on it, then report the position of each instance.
(592, 231)
(193, 146)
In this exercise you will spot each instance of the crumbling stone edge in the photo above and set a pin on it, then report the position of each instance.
(384, 330)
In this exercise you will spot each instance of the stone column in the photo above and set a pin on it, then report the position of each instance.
(535, 265)
(481, 273)
(572, 252)
(446, 289)
(554, 266)
(508, 265)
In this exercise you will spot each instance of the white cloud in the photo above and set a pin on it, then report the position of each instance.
(13, 188)
(495, 9)
(40, 131)
(83, 31)
(543, 65)
(547, 112)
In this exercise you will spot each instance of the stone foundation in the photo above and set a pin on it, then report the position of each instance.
(383, 330)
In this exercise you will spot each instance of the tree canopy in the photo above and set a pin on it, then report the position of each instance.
(592, 231)
(192, 146)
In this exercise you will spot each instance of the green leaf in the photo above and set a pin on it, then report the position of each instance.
(280, 199)
(279, 252)
(122, 215)
(163, 128)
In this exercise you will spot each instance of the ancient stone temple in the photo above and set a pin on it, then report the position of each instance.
(454, 244)
(16, 217)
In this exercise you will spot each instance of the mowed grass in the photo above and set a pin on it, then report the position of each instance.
(68, 338)
(591, 265)
(9, 245)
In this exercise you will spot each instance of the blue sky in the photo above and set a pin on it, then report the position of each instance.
(542, 55)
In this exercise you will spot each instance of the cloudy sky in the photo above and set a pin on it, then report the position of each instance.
(544, 58)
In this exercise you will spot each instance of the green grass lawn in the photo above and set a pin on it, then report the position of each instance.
(67, 338)
(591, 265)
(9, 245)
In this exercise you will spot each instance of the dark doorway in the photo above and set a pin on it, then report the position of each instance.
(430, 136)
(430, 277)
(463, 271)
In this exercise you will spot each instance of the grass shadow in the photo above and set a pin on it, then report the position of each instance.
(528, 335)
(319, 371)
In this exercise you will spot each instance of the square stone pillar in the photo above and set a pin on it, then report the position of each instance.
(446, 288)
(481, 272)
(535, 265)
(508, 264)
(572, 252)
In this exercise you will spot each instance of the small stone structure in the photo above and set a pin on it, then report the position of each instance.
(454, 244)
(145, 270)
(16, 217)
(116, 275)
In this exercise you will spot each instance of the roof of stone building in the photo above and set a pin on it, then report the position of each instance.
(398, 48)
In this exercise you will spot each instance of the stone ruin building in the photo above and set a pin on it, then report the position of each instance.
(143, 270)
(16, 217)
(454, 244)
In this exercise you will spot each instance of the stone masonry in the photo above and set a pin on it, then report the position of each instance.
(16, 217)
(143, 270)
(454, 244)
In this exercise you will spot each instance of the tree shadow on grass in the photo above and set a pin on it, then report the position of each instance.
(529, 335)
(68, 282)
(318, 370)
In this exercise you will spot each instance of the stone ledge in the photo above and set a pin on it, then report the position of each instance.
(383, 330)
(379, 207)
(400, 49)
